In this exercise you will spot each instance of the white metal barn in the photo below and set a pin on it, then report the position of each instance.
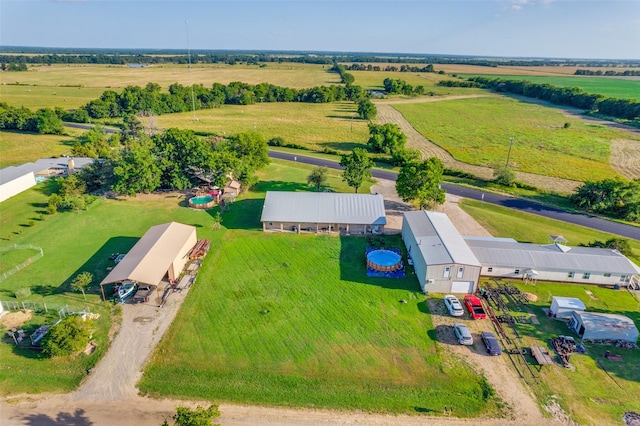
(323, 212)
(14, 180)
(162, 251)
(507, 258)
(563, 307)
(597, 326)
(442, 260)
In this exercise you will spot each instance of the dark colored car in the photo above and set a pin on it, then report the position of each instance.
(491, 342)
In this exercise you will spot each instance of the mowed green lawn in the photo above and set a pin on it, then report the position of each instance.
(329, 125)
(293, 320)
(477, 131)
(615, 87)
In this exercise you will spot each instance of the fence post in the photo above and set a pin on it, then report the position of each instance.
(45, 307)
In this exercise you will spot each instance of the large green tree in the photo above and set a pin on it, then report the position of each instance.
(318, 177)
(67, 337)
(357, 167)
(386, 138)
(47, 121)
(252, 152)
(614, 197)
(137, 170)
(367, 110)
(420, 182)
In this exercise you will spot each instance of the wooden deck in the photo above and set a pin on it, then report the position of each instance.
(541, 355)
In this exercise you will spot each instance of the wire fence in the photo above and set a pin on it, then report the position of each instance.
(24, 264)
(44, 307)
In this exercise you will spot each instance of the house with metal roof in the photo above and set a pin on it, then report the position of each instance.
(323, 212)
(441, 258)
(16, 179)
(599, 326)
(163, 251)
(507, 258)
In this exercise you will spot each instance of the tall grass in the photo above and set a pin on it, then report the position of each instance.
(478, 131)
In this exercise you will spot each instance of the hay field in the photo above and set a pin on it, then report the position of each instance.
(317, 126)
(46, 96)
(117, 76)
(518, 70)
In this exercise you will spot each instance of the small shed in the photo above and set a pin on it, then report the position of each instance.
(598, 326)
(562, 307)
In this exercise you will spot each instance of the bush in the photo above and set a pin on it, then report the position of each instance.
(277, 141)
(67, 337)
(21, 293)
(504, 176)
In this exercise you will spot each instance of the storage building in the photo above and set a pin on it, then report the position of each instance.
(163, 251)
(441, 258)
(598, 326)
(323, 212)
(562, 307)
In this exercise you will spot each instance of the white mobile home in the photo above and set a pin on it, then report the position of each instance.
(442, 260)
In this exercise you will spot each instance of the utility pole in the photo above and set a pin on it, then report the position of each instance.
(193, 98)
(509, 154)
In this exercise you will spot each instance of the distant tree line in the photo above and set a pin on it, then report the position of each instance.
(13, 66)
(345, 77)
(402, 68)
(41, 55)
(628, 109)
(608, 72)
(458, 83)
(151, 99)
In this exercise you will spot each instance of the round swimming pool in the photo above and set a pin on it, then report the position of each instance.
(384, 260)
(205, 202)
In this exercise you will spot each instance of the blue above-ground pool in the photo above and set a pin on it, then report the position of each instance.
(205, 202)
(384, 260)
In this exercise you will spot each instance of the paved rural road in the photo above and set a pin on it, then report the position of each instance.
(510, 202)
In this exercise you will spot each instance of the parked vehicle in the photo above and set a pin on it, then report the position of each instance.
(453, 304)
(491, 342)
(462, 334)
(474, 305)
(143, 293)
(126, 290)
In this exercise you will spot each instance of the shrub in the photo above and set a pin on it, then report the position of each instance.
(276, 141)
(504, 176)
(67, 337)
(21, 293)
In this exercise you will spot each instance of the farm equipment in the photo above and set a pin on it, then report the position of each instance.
(564, 346)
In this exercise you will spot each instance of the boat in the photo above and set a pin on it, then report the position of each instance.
(126, 290)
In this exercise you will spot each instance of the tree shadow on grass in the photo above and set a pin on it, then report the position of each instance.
(77, 418)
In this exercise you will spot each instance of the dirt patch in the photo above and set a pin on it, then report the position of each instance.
(90, 348)
(531, 297)
(625, 157)
(15, 319)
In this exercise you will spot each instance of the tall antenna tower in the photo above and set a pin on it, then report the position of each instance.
(193, 96)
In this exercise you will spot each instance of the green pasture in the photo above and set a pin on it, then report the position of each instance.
(614, 87)
(40, 95)
(525, 227)
(597, 390)
(22, 147)
(373, 80)
(477, 131)
(293, 75)
(329, 125)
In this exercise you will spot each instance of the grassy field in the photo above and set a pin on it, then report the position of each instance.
(21, 147)
(373, 80)
(293, 320)
(596, 390)
(477, 131)
(317, 126)
(46, 96)
(517, 70)
(503, 222)
(607, 86)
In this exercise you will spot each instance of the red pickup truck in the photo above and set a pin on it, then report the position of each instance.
(474, 305)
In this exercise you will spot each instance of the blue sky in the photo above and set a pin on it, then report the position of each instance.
(515, 28)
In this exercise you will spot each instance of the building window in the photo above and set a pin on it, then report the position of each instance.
(270, 223)
(460, 272)
(607, 274)
(624, 278)
(517, 271)
(586, 275)
(447, 271)
(490, 269)
(571, 274)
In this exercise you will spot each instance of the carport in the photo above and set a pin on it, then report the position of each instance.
(162, 251)
(598, 326)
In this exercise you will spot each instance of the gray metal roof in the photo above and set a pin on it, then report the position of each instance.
(323, 207)
(569, 303)
(439, 240)
(607, 326)
(13, 172)
(549, 257)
